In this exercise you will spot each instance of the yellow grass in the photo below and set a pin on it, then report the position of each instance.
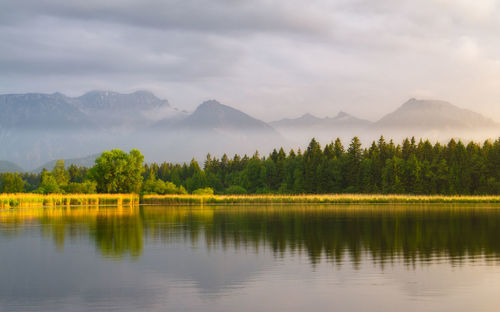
(319, 198)
(39, 200)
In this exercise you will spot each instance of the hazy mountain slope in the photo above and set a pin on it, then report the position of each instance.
(8, 166)
(104, 109)
(134, 109)
(429, 115)
(36, 128)
(306, 120)
(304, 128)
(342, 120)
(212, 128)
(87, 161)
(212, 115)
(119, 103)
(40, 111)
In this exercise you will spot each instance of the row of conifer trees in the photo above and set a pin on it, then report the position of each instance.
(411, 167)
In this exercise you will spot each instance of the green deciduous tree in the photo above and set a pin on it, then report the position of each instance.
(118, 172)
(60, 173)
(12, 183)
(48, 184)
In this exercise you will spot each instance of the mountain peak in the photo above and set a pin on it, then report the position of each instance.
(434, 115)
(308, 116)
(341, 121)
(102, 94)
(216, 110)
(136, 101)
(414, 103)
(211, 104)
(98, 93)
(212, 114)
(342, 114)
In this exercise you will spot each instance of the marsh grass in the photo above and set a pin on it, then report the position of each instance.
(23, 200)
(313, 199)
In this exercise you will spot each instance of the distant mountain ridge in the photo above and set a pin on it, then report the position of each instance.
(95, 108)
(415, 115)
(87, 161)
(214, 115)
(434, 115)
(342, 120)
(9, 166)
(35, 110)
(36, 128)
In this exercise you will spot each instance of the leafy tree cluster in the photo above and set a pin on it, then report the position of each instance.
(114, 172)
(383, 167)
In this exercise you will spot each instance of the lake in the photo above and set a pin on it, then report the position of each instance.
(251, 258)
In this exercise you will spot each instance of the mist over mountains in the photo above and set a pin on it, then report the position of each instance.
(38, 128)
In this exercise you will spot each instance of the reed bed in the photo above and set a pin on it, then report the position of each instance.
(24, 200)
(312, 199)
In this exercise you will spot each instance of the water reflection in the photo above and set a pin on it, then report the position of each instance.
(413, 234)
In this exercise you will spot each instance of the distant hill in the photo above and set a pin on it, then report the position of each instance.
(134, 109)
(341, 121)
(432, 115)
(40, 111)
(8, 166)
(216, 129)
(95, 109)
(87, 161)
(37, 128)
(212, 115)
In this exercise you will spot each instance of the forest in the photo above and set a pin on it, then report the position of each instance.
(384, 167)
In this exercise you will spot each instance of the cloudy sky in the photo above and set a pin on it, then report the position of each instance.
(269, 58)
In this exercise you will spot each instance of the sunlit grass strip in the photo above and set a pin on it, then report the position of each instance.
(313, 199)
(38, 200)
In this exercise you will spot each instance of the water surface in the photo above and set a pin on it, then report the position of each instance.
(251, 258)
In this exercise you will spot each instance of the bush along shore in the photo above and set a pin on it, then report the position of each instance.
(312, 199)
(25, 200)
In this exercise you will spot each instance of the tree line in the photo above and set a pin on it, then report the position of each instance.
(411, 167)
(408, 168)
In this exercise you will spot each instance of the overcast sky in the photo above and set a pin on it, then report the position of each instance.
(269, 58)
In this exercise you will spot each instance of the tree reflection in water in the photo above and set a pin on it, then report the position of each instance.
(384, 233)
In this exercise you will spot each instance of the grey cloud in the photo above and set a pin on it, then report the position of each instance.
(268, 57)
(216, 16)
(62, 48)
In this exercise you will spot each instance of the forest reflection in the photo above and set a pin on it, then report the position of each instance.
(382, 233)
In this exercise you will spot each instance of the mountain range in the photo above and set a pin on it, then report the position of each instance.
(102, 109)
(415, 115)
(424, 115)
(37, 128)
(341, 121)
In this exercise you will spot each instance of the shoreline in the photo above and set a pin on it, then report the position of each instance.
(32, 200)
(27, 200)
(314, 199)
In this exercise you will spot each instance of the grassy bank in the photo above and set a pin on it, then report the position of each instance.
(38, 200)
(320, 199)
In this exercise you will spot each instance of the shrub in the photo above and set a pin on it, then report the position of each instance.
(157, 186)
(236, 189)
(204, 191)
(86, 187)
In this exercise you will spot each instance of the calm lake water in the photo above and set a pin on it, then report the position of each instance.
(246, 258)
